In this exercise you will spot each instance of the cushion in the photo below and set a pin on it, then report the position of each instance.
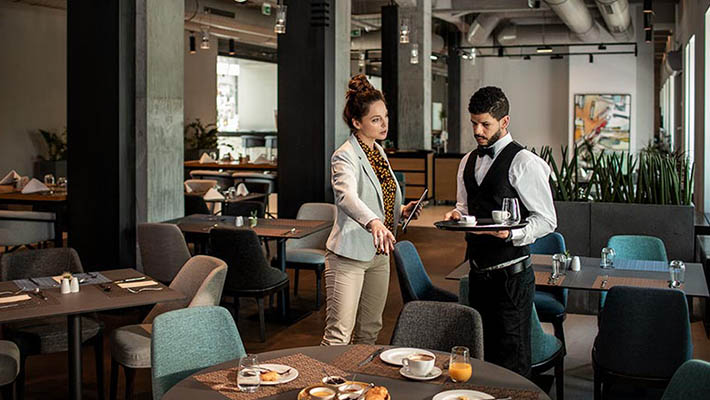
(548, 305)
(306, 256)
(49, 335)
(130, 345)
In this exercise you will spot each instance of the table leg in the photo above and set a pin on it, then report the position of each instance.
(74, 338)
(58, 223)
(281, 253)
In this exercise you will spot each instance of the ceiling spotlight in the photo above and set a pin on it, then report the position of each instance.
(602, 46)
(473, 56)
(280, 27)
(591, 58)
(434, 57)
(647, 21)
(649, 36)
(414, 54)
(361, 59)
(404, 31)
(193, 47)
(648, 6)
(205, 41)
(231, 47)
(534, 3)
(544, 49)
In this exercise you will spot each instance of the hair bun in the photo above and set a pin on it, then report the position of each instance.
(359, 84)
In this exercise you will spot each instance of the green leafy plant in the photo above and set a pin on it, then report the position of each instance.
(56, 145)
(200, 136)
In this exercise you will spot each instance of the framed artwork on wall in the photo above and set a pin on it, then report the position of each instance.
(603, 121)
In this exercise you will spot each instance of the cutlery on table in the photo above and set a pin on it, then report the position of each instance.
(288, 371)
(138, 278)
(11, 292)
(10, 305)
(605, 281)
(371, 357)
(143, 289)
(39, 294)
(34, 281)
(105, 287)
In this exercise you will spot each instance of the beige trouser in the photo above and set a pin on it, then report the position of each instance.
(356, 292)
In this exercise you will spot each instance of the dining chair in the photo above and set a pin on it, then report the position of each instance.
(635, 247)
(414, 282)
(250, 275)
(437, 325)
(690, 382)
(644, 337)
(195, 204)
(9, 368)
(201, 281)
(551, 303)
(163, 250)
(25, 228)
(199, 185)
(266, 182)
(182, 346)
(243, 208)
(48, 335)
(309, 253)
(548, 351)
(222, 178)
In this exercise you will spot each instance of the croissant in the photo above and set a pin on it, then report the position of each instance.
(269, 376)
(377, 393)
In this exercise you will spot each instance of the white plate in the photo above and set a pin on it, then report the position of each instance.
(467, 394)
(433, 374)
(282, 378)
(395, 356)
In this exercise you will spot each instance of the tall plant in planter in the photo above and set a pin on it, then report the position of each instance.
(200, 138)
(56, 161)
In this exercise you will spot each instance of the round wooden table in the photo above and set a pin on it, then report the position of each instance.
(484, 373)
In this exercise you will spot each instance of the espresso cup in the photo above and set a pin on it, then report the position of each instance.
(418, 364)
(500, 216)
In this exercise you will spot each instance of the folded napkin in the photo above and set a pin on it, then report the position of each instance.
(35, 186)
(12, 299)
(261, 160)
(242, 190)
(213, 194)
(188, 188)
(10, 178)
(137, 284)
(206, 159)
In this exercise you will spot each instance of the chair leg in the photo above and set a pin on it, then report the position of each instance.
(113, 381)
(318, 286)
(557, 324)
(130, 381)
(262, 322)
(295, 281)
(99, 356)
(560, 378)
(20, 380)
(597, 385)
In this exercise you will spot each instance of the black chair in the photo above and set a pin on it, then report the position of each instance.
(249, 274)
(644, 337)
(49, 335)
(195, 204)
(243, 208)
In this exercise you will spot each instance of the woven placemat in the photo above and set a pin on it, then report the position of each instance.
(542, 278)
(350, 359)
(637, 282)
(117, 291)
(495, 391)
(310, 371)
(33, 302)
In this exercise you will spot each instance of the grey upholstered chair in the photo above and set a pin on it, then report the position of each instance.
(163, 250)
(9, 368)
(224, 179)
(439, 326)
(48, 335)
(23, 228)
(201, 280)
(199, 185)
(690, 382)
(309, 252)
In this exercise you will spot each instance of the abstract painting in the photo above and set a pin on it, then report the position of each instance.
(604, 120)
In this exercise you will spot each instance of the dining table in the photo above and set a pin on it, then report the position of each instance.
(313, 363)
(93, 296)
(230, 165)
(592, 277)
(54, 201)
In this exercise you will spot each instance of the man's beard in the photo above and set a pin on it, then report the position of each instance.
(494, 138)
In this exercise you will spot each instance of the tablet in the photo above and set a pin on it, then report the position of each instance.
(419, 203)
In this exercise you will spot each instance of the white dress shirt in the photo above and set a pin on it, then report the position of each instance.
(529, 175)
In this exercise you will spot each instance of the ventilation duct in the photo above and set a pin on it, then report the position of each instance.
(673, 62)
(576, 16)
(617, 17)
(481, 29)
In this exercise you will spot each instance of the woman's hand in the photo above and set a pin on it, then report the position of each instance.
(407, 210)
(452, 215)
(382, 238)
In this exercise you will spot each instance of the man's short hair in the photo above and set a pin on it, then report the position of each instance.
(489, 99)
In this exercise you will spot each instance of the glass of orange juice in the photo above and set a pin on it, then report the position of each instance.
(460, 364)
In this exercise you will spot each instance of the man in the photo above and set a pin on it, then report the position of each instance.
(501, 282)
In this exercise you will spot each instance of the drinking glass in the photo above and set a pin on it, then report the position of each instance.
(607, 260)
(513, 207)
(62, 182)
(249, 376)
(49, 180)
(460, 369)
(677, 271)
(559, 263)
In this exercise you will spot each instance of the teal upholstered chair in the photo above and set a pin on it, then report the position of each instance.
(413, 279)
(188, 340)
(547, 351)
(644, 337)
(690, 382)
(635, 247)
(551, 303)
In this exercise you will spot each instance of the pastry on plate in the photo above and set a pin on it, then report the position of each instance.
(269, 376)
(377, 393)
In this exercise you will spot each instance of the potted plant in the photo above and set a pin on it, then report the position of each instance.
(199, 139)
(56, 161)
(253, 219)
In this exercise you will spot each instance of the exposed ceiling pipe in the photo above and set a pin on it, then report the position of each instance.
(517, 35)
(576, 16)
(481, 29)
(617, 17)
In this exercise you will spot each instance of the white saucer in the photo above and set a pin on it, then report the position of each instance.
(466, 394)
(395, 356)
(293, 374)
(433, 374)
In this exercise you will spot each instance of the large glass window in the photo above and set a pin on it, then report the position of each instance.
(689, 97)
(227, 86)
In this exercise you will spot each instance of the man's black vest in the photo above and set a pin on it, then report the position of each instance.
(484, 250)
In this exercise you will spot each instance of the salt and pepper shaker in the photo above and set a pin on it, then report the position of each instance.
(576, 264)
(74, 286)
(66, 286)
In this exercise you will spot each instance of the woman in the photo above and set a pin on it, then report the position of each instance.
(369, 208)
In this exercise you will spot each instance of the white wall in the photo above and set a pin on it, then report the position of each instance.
(33, 82)
(200, 81)
(257, 95)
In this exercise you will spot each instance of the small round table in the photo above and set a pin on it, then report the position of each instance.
(484, 373)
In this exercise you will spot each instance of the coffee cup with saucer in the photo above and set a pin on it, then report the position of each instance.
(500, 216)
(419, 366)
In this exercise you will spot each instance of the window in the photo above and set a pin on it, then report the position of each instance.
(227, 84)
(689, 98)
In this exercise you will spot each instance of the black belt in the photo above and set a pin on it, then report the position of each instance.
(508, 271)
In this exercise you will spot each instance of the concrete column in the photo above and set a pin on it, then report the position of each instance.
(342, 67)
(160, 48)
(414, 122)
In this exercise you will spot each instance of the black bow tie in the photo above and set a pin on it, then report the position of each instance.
(485, 151)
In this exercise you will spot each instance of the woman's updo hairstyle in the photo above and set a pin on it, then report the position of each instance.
(358, 98)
